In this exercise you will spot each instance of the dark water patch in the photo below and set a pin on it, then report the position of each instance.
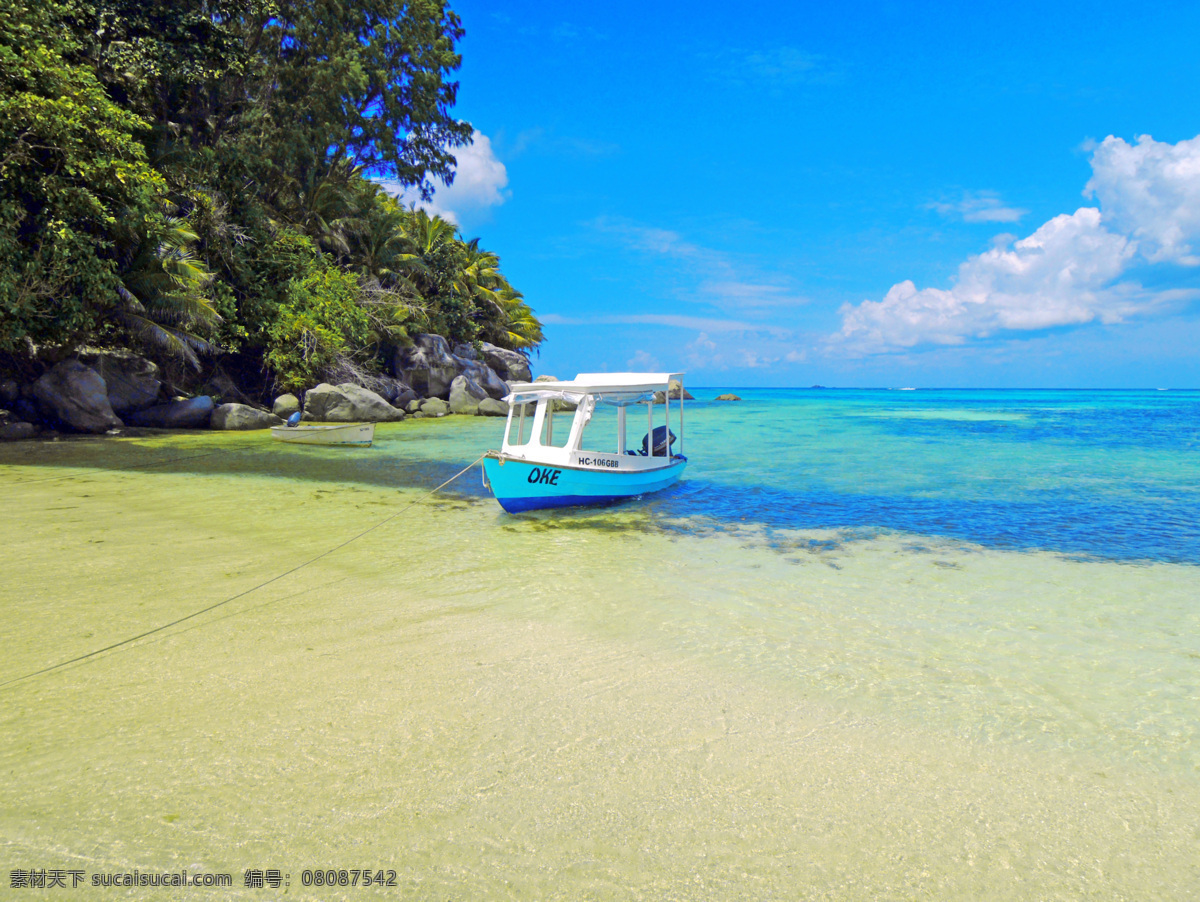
(1148, 423)
(624, 518)
(819, 546)
(1116, 528)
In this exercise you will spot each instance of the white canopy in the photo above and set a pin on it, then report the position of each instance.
(617, 399)
(607, 384)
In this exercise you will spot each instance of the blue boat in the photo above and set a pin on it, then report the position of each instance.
(532, 470)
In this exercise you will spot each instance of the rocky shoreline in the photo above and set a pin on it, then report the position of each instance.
(102, 392)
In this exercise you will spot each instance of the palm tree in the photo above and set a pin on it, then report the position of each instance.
(505, 318)
(321, 204)
(379, 245)
(161, 293)
(430, 236)
(520, 329)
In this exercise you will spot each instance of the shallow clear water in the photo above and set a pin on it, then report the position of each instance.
(897, 644)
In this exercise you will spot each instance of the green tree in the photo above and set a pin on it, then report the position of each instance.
(319, 322)
(71, 170)
(179, 174)
(278, 88)
(379, 243)
(518, 328)
(163, 304)
(368, 79)
(435, 273)
(263, 116)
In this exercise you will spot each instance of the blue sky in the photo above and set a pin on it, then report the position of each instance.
(853, 194)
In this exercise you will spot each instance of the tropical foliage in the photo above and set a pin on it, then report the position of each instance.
(71, 171)
(194, 177)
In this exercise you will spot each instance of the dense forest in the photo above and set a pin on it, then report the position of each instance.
(192, 179)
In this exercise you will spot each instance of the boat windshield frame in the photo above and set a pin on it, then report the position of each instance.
(586, 391)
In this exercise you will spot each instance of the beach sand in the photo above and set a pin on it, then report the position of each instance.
(604, 708)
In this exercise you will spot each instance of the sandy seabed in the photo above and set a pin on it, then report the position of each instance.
(500, 708)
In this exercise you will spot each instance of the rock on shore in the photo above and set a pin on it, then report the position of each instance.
(465, 395)
(511, 366)
(285, 406)
(433, 407)
(347, 403)
(242, 416)
(17, 430)
(727, 398)
(188, 413)
(505, 366)
(131, 381)
(14, 429)
(485, 377)
(74, 394)
(676, 390)
(102, 389)
(430, 368)
(395, 391)
(490, 407)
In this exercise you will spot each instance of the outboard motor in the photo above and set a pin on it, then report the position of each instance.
(661, 442)
(294, 419)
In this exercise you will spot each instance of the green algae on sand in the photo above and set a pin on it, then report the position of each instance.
(596, 707)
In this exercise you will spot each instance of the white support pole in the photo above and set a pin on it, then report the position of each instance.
(621, 430)
(650, 423)
(521, 426)
(681, 416)
(667, 420)
(549, 423)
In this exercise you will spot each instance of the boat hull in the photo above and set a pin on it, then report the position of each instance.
(521, 485)
(360, 434)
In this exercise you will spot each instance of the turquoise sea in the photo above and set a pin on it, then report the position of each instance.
(876, 644)
(944, 478)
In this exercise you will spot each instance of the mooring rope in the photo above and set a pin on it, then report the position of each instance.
(276, 578)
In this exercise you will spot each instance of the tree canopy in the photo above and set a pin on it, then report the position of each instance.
(194, 176)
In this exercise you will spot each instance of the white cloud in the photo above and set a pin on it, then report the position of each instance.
(782, 64)
(1151, 191)
(980, 206)
(648, 239)
(1066, 273)
(480, 181)
(679, 321)
(720, 279)
(751, 359)
(644, 362)
(547, 142)
(776, 67)
(750, 351)
(746, 294)
(702, 353)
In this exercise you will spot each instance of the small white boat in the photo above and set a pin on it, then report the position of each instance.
(534, 471)
(361, 434)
